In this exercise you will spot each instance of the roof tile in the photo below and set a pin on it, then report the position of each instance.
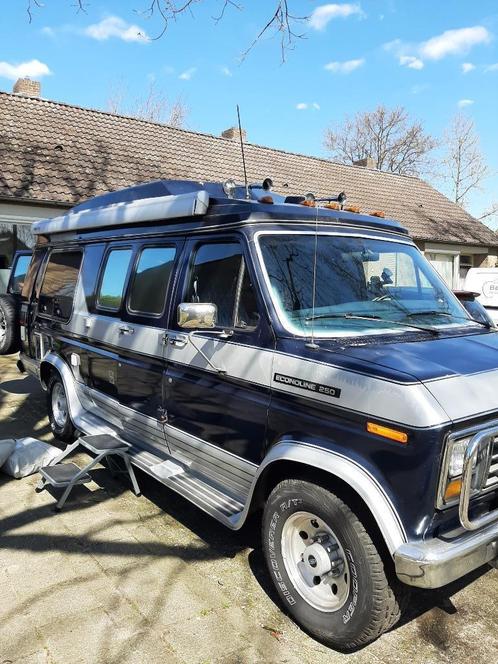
(102, 152)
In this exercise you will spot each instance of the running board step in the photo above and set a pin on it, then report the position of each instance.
(189, 484)
(175, 474)
(166, 470)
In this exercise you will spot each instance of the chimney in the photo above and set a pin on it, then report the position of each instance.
(25, 86)
(233, 134)
(366, 162)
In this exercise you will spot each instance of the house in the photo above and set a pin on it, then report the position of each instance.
(53, 155)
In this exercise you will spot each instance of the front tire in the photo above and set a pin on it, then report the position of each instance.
(325, 567)
(58, 410)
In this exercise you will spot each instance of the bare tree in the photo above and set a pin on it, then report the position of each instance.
(387, 135)
(463, 161)
(154, 105)
(281, 19)
(490, 216)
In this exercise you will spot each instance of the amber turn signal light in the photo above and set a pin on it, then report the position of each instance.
(387, 432)
(453, 490)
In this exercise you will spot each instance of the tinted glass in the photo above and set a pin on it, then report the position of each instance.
(19, 274)
(363, 286)
(219, 277)
(59, 283)
(151, 279)
(114, 278)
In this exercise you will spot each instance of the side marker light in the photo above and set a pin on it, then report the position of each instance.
(387, 432)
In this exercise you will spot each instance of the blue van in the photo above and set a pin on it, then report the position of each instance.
(280, 355)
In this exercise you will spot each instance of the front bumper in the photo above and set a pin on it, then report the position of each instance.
(436, 562)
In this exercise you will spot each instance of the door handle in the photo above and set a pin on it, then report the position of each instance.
(125, 329)
(178, 340)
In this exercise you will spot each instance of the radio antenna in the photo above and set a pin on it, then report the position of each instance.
(312, 344)
(243, 155)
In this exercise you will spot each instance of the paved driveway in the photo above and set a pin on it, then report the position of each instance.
(115, 579)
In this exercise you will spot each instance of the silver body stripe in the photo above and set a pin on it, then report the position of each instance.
(406, 404)
(229, 510)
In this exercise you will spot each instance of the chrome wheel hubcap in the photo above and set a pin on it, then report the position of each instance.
(59, 405)
(315, 562)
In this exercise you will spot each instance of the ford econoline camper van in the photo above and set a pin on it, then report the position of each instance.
(284, 356)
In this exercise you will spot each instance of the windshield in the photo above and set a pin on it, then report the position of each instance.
(363, 286)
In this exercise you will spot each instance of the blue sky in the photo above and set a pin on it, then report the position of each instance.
(433, 57)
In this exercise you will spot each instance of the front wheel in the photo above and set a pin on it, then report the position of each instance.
(58, 410)
(325, 566)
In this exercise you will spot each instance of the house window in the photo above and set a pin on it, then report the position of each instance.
(13, 237)
(466, 262)
(445, 265)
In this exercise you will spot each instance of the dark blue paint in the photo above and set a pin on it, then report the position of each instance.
(248, 419)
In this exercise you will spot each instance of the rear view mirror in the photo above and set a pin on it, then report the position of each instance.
(197, 315)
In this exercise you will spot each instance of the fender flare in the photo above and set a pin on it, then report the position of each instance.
(350, 472)
(56, 361)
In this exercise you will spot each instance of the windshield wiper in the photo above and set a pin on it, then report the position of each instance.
(444, 313)
(379, 319)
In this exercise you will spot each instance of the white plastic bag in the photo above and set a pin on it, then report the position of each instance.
(6, 449)
(29, 456)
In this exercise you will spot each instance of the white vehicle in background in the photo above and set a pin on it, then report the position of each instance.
(484, 280)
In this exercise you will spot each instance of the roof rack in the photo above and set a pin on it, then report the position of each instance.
(118, 214)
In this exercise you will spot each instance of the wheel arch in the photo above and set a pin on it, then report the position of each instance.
(347, 478)
(54, 363)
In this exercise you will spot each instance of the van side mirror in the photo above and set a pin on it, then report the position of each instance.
(197, 315)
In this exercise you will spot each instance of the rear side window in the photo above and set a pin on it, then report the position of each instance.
(150, 281)
(113, 280)
(219, 276)
(59, 283)
(19, 274)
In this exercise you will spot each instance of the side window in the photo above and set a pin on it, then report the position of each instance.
(19, 274)
(219, 276)
(150, 280)
(113, 279)
(59, 283)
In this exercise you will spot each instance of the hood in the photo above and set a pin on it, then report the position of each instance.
(433, 358)
(460, 372)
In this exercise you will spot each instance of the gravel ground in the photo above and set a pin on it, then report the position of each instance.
(115, 578)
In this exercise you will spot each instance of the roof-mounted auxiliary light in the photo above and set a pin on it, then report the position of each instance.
(229, 187)
(267, 184)
(378, 213)
(309, 200)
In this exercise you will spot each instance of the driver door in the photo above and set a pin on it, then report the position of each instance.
(217, 382)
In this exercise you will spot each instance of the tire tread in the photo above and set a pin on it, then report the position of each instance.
(387, 597)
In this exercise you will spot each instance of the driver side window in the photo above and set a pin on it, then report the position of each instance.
(219, 276)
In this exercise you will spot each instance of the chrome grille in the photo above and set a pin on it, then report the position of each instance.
(492, 480)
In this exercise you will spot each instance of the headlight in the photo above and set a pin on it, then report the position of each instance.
(456, 453)
(451, 479)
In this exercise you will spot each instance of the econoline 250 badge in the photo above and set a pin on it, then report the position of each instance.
(308, 385)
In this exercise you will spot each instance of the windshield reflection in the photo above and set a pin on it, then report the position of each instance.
(363, 286)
